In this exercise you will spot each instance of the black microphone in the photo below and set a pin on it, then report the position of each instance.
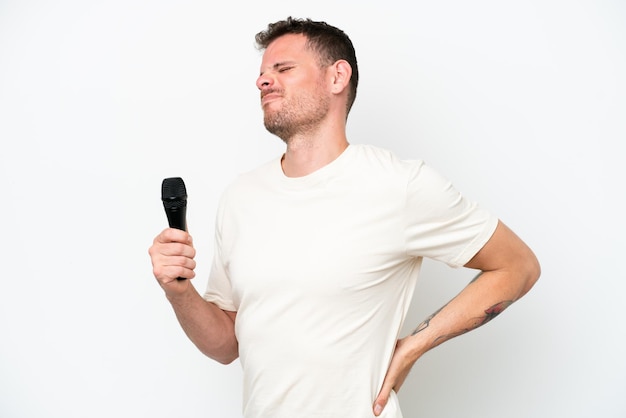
(174, 197)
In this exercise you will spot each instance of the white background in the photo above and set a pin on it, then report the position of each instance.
(521, 104)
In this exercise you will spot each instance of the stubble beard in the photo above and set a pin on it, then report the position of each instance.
(297, 116)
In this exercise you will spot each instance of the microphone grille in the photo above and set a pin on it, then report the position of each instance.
(173, 188)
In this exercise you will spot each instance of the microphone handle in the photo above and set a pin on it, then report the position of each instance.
(177, 218)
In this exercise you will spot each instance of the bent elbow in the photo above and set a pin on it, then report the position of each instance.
(226, 359)
(532, 273)
(225, 354)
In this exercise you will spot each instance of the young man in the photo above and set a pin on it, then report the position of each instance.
(317, 252)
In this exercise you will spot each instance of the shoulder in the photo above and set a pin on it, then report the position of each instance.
(414, 177)
(384, 160)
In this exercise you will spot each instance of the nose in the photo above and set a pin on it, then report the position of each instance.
(263, 82)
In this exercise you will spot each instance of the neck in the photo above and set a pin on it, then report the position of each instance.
(306, 155)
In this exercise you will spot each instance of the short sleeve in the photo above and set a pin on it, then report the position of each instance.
(441, 224)
(219, 289)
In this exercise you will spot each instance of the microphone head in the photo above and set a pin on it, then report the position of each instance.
(174, 197)
(173, 191)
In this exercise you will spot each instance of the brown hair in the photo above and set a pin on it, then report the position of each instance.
(330, 43)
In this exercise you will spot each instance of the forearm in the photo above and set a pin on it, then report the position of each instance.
(207, 326)
(509, 270)
(483, 299)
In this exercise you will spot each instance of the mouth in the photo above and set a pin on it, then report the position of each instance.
(269, 97)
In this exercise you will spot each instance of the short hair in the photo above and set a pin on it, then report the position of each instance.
(330, 43)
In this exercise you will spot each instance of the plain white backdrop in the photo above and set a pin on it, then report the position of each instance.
(521, 104)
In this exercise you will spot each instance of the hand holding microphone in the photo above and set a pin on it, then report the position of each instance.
(174, 197)
(170, 260)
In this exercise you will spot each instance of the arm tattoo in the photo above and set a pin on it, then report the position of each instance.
(426, 322)
(494, 311)
(490, 313)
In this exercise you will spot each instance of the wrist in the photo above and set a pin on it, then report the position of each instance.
(414, 346)
(179, 293)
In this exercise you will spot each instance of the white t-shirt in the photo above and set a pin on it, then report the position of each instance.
(321, 270)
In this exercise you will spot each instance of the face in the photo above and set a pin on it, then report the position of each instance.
(294, 96)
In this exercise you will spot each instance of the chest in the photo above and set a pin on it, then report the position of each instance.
(318, 243)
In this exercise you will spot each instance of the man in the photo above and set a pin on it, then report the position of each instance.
(317, 252)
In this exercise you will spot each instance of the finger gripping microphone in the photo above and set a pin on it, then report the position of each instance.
(174, 197)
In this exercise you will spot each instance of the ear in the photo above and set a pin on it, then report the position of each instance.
(341, 71)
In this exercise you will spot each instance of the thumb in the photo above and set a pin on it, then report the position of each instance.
(381, 400)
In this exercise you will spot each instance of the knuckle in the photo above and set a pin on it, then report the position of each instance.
(157, 271)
